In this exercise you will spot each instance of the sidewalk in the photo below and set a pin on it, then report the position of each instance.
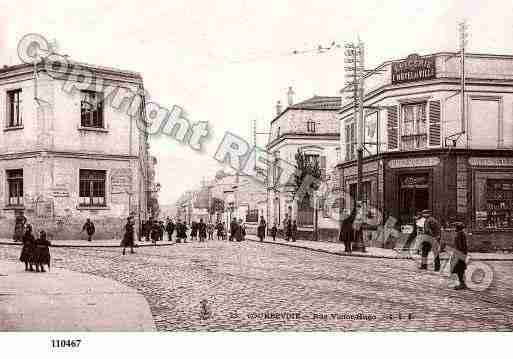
(108, 243)
(62, 300)
(373, 252)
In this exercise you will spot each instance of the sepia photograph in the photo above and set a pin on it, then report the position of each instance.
(250, 169)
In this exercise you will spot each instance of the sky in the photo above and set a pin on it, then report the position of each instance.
(228, 62)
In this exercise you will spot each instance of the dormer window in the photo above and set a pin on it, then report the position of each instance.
(310, 126)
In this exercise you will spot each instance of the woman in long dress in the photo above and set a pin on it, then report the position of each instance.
(27, 251)
(128, 239)
(42, 252)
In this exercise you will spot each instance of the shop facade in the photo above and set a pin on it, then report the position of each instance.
(421, 153)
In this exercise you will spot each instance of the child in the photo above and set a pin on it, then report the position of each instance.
(42, 253)
(27, 252)
(459, 258)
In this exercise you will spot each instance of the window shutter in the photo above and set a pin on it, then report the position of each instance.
(434, 123)
(392, 128)
(323, 168)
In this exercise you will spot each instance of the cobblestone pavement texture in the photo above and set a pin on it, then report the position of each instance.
(245, 286)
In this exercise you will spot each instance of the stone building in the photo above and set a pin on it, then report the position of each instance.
(421, 153)
(312, 127)
(70, 150)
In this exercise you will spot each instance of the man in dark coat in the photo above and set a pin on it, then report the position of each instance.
(288, 229)
(432, 229)
(181, 232)
(89, 228)
(293, 233)
(194, 230)
(155, 232)
(202, 230)
(347, 231)
(459, 256)
(162, 229)
(261, 229)
(233, 229)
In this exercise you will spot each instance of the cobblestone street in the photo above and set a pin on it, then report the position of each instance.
(253, 286)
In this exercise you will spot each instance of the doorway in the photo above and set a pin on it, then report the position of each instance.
(414, 196)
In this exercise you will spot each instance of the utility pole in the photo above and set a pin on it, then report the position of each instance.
(463, 27)
(355, 70)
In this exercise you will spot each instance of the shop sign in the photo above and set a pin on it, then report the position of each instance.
(491, 162)
(414, 162)
(414, 68)
(60, 191)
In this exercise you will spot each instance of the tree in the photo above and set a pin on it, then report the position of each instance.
(306, 179)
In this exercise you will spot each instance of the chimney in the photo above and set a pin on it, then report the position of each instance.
(278, 108)
(290, 96)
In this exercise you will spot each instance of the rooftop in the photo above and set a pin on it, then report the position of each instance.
(319, 103)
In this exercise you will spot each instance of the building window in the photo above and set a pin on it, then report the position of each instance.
(499, 203)
(310, 126)
(15, 185)
(14, 109)
(414, 134)
(91, 109)
(92, 188)
(350, 142)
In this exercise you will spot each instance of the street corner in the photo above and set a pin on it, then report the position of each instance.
(63, 300)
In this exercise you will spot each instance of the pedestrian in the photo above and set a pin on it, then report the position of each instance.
(274, 231)
(27, 251)
(224, 231)
(261, 229)
(294, 231)
(459, 256)
(233, 229)
(432, 229)
(128, 238)
(202, 230)
(148, 228)
(143, 230)
(42, 252)
(242, 230)
(347, 231)
(89, 228)
(170, 228)
(288, 230)
(238, 231)
(210, 231)
(19, 226)
(181, 232)
(155, 232)
(162, 229)
(194, 230)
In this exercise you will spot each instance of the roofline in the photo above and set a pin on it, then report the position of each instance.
(90, 67)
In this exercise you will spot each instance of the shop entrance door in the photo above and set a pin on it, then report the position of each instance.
(414, 197)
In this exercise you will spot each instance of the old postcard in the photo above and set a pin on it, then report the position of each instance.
(249, 166)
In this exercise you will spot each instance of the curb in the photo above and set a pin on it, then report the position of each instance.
(343, 254)
(93, 246)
